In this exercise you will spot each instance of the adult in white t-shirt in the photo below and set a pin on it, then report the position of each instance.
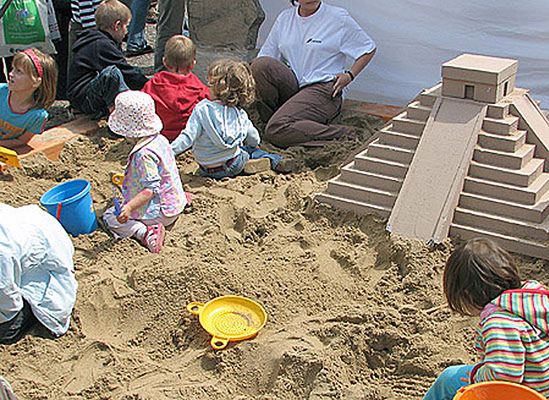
(312, 53)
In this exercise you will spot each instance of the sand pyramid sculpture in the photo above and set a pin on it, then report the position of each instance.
(467, 157)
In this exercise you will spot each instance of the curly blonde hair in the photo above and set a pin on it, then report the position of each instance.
(231, 82)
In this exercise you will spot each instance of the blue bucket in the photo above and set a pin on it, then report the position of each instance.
(71, 203)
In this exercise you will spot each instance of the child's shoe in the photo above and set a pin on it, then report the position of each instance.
(154, 238)
(286, 165)
(257, 165)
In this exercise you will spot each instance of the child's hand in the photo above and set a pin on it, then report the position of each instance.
(124, 214)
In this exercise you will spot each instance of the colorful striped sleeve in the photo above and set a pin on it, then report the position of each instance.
(504, 351)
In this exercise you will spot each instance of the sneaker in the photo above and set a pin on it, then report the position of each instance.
(286, 165)
(257, 165)
(139, 52)
(154, 238)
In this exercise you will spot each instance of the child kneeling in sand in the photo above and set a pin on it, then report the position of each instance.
(152, 189)
(481, 278)
(37, 283)
(222, 137)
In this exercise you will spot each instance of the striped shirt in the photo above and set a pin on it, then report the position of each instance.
(513, 336)
(83, 12)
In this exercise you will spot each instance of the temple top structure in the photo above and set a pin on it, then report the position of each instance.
(479, 78)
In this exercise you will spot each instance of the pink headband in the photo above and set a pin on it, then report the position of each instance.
(35, 61)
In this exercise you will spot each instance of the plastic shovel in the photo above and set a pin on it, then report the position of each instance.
(9, 157)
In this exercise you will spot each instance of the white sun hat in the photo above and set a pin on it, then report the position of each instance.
(134, 115)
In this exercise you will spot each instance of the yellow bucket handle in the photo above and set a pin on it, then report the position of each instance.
(117, 179)
(195, 307)
(219, 343)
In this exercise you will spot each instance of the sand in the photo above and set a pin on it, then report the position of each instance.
(352, 312)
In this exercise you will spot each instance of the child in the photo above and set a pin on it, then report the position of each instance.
(37, 283)
(222, 137)
(31, 88)
(152, 189)
(481, 279)
(176, 91)
(99, 71)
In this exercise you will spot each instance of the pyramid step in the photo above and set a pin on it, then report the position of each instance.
(536, 213)
(507, 144)
(519, 177)
(418, 112)
(358, 207)
(498, 110)
(369, 179)
(356, 192)
(382, 167)
(391, 153)
(529, 195)
(403, 140)
(502, 225)
(428, 97)
(504, 126)
(515, 245)
(406, 125)
(516, 160)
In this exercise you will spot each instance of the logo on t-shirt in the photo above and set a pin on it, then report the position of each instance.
(313, 40)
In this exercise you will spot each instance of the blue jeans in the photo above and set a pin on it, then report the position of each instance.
(449, 382)
(256, 152)
(102, 90)
(230, 171)
(236, 167)
(136, 30)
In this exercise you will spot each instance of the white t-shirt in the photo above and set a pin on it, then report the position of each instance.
(317, 47)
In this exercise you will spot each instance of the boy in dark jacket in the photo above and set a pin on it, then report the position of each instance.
(99, 70)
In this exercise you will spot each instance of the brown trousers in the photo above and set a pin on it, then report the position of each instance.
(295, 116)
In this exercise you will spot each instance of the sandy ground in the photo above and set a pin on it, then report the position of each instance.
(352, 313)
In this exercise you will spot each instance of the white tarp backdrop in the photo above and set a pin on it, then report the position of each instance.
(415, 37)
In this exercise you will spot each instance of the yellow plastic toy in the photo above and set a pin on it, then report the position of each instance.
(117, 179)
(9, 157)
(229, 319)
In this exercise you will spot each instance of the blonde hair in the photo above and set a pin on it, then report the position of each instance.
(44, 95)
(109, 12)
(231, 82)
(180, 52)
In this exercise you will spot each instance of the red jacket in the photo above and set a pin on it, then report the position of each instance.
(175, 96)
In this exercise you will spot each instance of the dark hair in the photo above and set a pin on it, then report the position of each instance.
(477, 272)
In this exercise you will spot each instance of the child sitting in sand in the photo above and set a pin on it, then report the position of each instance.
(30, 89)
(222, 137)
(37, 284)
(99, 71)
(176, 91)
(481, 279)
(152, 189)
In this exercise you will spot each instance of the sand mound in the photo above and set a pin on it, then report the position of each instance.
(353, 314)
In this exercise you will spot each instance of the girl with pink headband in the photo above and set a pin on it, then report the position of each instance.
(30, 89)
